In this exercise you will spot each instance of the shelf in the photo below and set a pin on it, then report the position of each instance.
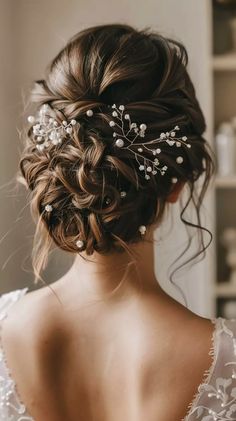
(225, 290)
(224, 62)
(225, 182)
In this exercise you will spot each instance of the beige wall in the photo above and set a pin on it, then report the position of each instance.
(32, 31)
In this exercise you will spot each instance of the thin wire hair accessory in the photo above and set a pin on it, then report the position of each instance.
(124, 140)
(48, 132)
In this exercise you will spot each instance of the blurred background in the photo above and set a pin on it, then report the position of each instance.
(31, 33)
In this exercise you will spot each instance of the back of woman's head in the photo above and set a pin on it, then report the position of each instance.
(78, 185)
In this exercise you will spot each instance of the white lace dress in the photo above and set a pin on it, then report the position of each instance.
(215, 399)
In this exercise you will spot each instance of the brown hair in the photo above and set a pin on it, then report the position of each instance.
(99, 66)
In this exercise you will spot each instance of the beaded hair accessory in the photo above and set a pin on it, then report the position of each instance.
(47, 132)
(125, 141)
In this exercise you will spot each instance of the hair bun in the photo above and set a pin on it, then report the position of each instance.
(83, 176)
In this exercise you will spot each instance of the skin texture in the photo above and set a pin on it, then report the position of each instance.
(80, 355)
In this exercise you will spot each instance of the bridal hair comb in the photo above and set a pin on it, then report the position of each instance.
(125, 141)
(47, 131)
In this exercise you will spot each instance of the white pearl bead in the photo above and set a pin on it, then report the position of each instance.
(140, 149)
(111, 123)
(158, 150)
(141, 167)
(174, 179)
(80, 244)
(48, 208)
(119, 143)
(73, 122)
(142, 229)
(123, 193)
(143, 126)
(31, 119)
(179, 159)
(64, 123)
(108, 201)
(121, 107)
(53, 135)
(40, 147)
(89, 113)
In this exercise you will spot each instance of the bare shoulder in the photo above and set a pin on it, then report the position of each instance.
(33, 340)
(176, 345)
(31, 331)
(173, 321)
(34, 313)
(197, 340)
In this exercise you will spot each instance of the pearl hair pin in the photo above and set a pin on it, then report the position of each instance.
(48, 208)
(80, 244)
(125, 141)
(47, 131)
(142, 229)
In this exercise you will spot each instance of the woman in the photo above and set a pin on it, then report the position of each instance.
(117, 135)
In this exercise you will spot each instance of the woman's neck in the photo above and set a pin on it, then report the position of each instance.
(98, 275)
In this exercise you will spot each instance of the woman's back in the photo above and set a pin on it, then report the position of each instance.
(118, 132)
(130, 360)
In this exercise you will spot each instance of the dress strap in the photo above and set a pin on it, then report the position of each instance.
(11, 405)
(213, 352)
(8, 299)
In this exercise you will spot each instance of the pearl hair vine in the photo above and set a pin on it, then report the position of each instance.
(47, 131)
(125, 141)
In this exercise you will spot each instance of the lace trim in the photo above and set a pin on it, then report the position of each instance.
(3, 315)
(208, 372)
